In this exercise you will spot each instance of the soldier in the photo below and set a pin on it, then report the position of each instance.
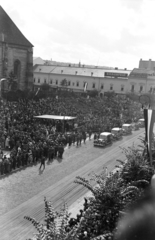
(56, 149)
(95, 136)
(61, 150)
(77, 139)
(90, 133)
(80, 138)
(42, 163)
(84, 136)
(51, 153)
(70, 140)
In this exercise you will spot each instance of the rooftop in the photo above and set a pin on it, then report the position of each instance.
(9, 32)
(80, 71)
(141, 72)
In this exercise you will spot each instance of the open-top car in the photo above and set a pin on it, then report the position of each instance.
(116, 133)
(103, 140)
(127, 128)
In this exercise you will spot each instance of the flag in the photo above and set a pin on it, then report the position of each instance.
(149, 116)
(37, 92)
(85, 86)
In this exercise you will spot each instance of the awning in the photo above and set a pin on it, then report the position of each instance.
(55, 117)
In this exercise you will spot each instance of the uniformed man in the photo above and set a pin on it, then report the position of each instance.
(60, 150)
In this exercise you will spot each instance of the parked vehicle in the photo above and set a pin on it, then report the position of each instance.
(105, 138)
(141, 122)
(116, 133)
(136, 126)
(127, 129)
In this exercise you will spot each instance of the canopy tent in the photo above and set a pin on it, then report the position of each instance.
(55, 117)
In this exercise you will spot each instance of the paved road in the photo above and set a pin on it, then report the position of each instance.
(22, 193)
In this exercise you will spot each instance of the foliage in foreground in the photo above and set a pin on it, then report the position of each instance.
(112, 195)
(55, 223)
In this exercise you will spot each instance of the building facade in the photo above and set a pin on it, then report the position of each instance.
(141, 81)
(16, 53)
(103, 80)
(138, 81)
(147, 64)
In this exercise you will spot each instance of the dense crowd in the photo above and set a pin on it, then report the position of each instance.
(32, 140)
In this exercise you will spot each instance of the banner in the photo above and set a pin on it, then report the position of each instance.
(149, 116)
(37, 92)
(85, 86)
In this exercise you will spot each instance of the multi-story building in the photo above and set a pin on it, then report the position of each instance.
(141, 81)
(16, 53)
(147, 64)
(103, 80)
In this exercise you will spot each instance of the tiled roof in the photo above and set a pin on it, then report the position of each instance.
(141, 73)
(141, 70)
(79, 71)
(10, 31)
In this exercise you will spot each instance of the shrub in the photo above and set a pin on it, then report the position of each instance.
(113, 195)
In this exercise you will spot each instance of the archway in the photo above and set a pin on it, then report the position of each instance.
(17, 69)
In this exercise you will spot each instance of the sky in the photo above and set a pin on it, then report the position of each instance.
(113, 33)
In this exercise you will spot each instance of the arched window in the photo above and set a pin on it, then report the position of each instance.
(17, 69)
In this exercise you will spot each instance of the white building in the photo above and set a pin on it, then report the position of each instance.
(141, 81)
(147, 64)
(103, 80)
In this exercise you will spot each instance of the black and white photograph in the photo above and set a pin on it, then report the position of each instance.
(77, 120)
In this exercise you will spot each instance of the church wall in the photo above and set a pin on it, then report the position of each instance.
(21, 55)
(25, 56)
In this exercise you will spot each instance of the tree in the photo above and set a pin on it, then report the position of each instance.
(112, 195)
(64, 82)
(45, 87)
(93, 93)
(55, 224)
(110, 94)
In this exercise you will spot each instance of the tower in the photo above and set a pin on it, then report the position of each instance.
(16, 53)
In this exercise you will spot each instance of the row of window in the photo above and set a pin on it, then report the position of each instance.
(77, 84)
(152, 90)
(133, 88)
(94, 85)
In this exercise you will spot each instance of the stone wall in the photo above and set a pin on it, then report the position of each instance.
(25, 57)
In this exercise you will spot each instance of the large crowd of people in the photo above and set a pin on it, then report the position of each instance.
(29, 140)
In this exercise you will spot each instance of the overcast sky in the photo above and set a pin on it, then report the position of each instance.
(114, 33)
